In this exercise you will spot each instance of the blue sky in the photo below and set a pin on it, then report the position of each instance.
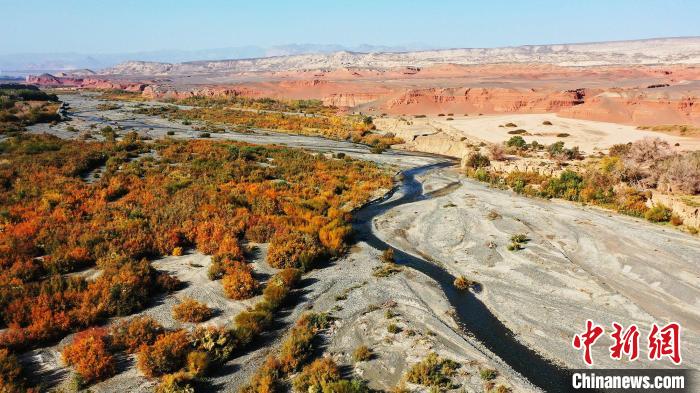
(117, 26)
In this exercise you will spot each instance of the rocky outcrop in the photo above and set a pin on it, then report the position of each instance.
(483, 100)
(640, 109)
(48, 80)
(349, 100)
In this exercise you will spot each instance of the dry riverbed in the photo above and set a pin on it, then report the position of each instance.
(580, 263)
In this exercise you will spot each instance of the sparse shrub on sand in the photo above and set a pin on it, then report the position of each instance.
(433, 371)
(516, 141)
(510, 125)
(205, 135)
(517, 241)
(386, 270)
(493, 215)
(496, 151)
(488, 374)
(477, 160)
(463, 283)
(190, 310)
(362, 353)
(388, 255)
(170, 133)
(562, 135)
(393, 328)
(546, 123)
(519, 131)
(519, 238)
(178, 382)
(675, 220)
(619, 150)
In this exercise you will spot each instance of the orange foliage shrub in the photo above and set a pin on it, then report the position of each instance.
(254, 321)
(136, 332)
(318, 375)
(190, 310)
(167, 354)
(90, 354)
(267, 378)
(294, 249)
(10, 372)
(239, 282)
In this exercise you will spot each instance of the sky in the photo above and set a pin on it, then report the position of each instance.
(119, 26)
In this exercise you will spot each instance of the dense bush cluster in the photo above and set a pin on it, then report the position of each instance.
(295, 351)
(263, 104)
(90, 355)
(324, 123)
(619, 181)
(23, 105)
(205, 194)
(10, 372)
(179, 357)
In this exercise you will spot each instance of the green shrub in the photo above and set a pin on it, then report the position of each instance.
(488, 374)
(516, 141)
(219, 343)
(658, 213)
(477, 160)
(433, 371)
(393, 328)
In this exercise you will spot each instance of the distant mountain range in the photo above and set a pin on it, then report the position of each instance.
(683, 50)
(640, 52)
(52, 62)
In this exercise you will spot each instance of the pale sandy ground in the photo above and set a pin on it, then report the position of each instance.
(581, 263)
(590, 136)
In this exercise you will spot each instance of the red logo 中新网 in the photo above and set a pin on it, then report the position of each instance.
(662, 342)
